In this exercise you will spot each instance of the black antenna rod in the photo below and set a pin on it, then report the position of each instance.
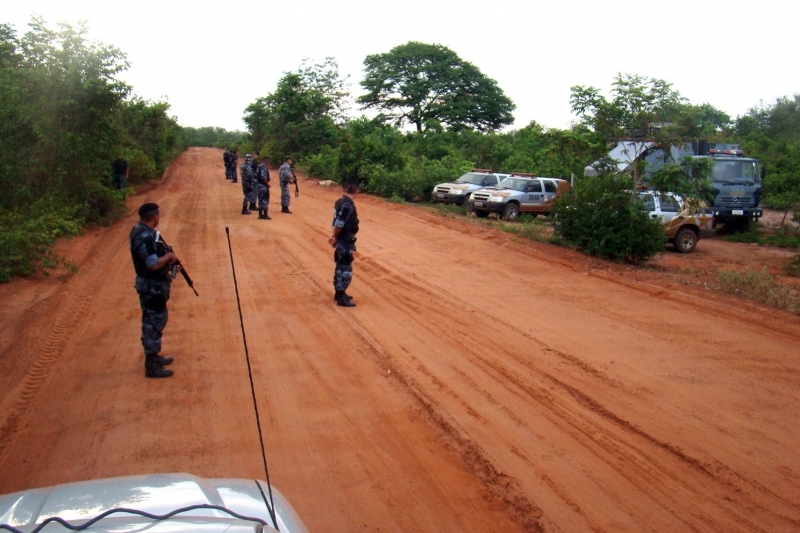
(270, 508)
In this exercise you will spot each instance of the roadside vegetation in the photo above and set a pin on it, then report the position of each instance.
(64, 117)
(762, 287)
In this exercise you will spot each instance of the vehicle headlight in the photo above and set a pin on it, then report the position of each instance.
(457, 191)
(496, 199)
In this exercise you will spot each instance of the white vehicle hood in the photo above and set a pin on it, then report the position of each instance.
(158, 494)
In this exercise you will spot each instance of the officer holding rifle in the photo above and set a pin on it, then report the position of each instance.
(155, 264)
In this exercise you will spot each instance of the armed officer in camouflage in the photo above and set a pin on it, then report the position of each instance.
(285, 177)
(152, 263)
(343, 239)
(234, 160)
(248, 185)
(261, 179)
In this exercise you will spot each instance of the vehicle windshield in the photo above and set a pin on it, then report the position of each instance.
(734, 171)
(471, 177)
(517, 184)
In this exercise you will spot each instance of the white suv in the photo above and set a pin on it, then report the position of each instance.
(459, 191)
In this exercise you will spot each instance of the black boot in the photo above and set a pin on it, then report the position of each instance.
(343, 295)
(285, 209)
(152, 368)
(245, 211)
(342, 301)
(252, 206)
(164, 361)
(260, 214)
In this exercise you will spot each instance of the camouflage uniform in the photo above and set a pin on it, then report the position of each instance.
(261, 179)
(153, 287)
(248, 187)
(345, 217)
(226, 160)
(285, 176)
(234, 159)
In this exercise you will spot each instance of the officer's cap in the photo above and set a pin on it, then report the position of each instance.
(147, 209)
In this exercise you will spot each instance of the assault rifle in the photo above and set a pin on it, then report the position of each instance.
(296, 189)
(176, 264)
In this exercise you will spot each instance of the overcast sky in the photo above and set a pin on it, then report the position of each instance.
(211, 59)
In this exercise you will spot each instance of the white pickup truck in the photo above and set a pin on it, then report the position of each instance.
(683, 225)
(519, 193)
(459, 191)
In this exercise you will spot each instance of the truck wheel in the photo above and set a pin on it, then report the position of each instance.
(685, 241)
(511, 212)
(481, 214)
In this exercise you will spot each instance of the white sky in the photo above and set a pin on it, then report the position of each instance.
(211, 59)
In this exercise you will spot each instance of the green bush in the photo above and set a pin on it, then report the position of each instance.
(323, 164)
(142, 168)
(601, 217)
(26, 242)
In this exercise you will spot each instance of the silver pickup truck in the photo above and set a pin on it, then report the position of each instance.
(457, 192)
(517, 194)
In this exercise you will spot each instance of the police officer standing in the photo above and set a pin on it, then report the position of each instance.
(226, 160)
(343, 240)
(234, 159)
(261, 178)
(248, 187)
(152, 263)
(120, 167)
(286, 176)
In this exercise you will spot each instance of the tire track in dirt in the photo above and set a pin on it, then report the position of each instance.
(444, 305)
(82, 287)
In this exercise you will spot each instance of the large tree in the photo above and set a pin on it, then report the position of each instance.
(300, 117)
(429, 85)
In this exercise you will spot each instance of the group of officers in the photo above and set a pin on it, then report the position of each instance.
(156, 264)
(256, 182)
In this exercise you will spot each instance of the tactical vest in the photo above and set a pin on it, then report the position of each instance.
(351, 224)
(138, 263)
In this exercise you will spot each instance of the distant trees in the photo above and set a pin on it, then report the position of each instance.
(428, 85)
(771, 132)
(212, 136)
(300, 116)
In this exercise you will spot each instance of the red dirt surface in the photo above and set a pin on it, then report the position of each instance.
(482, 383)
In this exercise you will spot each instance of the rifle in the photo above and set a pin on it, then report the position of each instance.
(296, 189)
(176, 264)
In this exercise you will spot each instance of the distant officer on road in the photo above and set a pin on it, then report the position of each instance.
(234, 159)
(248, 185)
(120, 167)
(286, 176)
(226, 160)
(152, 263)
(343, 240)
(261, 179)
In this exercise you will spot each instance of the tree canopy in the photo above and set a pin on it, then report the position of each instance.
(428, 85)
(300, 116)
(64, 117)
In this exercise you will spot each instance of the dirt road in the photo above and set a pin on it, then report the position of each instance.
(480, 384)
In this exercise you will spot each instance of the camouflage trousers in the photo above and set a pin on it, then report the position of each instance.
(153, 296)
(343, 273)
(250, 196)
(285, 196)
(263, 196)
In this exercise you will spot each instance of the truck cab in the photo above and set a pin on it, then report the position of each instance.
(737, 183)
